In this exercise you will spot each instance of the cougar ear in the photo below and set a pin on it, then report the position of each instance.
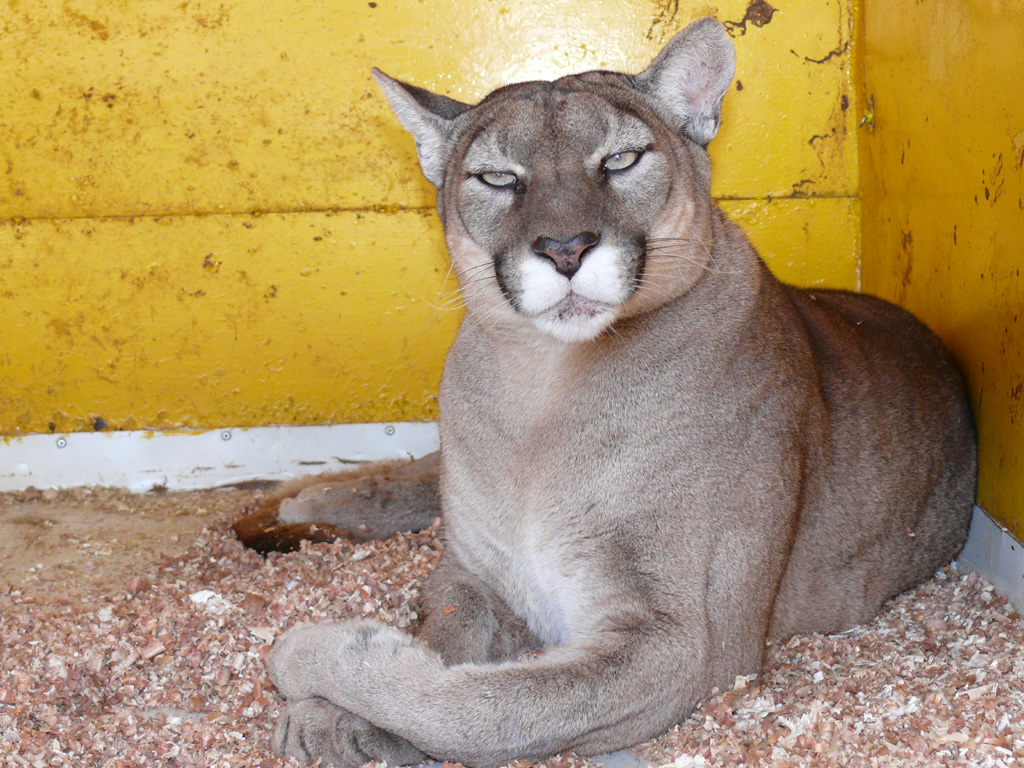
(429, 117)
(690, 77)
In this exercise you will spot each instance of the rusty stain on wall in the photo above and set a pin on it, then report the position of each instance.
(758, 13)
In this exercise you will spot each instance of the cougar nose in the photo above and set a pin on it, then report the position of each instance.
(565, 254)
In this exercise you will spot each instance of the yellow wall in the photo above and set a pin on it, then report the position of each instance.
(943, 201)
(209, 218)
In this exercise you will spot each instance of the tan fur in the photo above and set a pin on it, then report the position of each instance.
(655, 456)
(369, 502)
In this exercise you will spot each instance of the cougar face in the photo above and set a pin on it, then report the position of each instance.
(558, 192)
(561, 192)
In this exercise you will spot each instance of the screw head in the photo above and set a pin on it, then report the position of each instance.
(62, 442)
(225, 435)
(389, 431)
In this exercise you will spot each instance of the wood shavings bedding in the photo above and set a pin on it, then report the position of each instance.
(165, 667)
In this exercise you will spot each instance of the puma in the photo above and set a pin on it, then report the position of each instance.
(655, 456)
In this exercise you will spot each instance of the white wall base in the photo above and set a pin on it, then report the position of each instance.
(184, 459)
(992, 551)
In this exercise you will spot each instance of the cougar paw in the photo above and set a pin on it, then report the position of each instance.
(313, 728)
(331, 658)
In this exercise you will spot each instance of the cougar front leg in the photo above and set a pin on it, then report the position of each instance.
(614, 688)
(371, 502)
(465, 622)
(315, 729)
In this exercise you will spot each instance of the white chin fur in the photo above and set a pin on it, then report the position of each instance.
(575, 326)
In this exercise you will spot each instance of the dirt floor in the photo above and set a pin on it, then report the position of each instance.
(101, 536)
(134, 628)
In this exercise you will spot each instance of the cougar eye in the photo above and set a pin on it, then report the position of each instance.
(620, 161)
(498, 178)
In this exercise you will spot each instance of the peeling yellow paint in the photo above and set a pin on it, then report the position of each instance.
(210, 217)
(943, 202)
